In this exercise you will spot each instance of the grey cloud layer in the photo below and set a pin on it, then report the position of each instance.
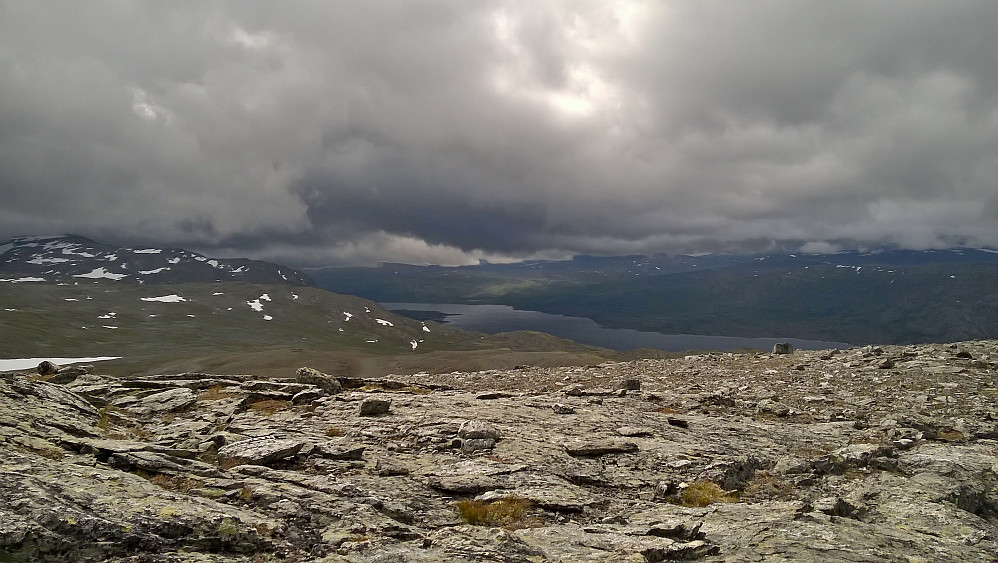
(451, 131)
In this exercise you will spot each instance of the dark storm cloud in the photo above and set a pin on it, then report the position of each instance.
(451, 131)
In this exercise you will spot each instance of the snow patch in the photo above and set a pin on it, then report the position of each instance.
(174, 298)
(268, 318)
(218, 293)
(426, 328)
(101, 273)
(147, 251)
(19, 280)
(239, 270)
(383, 322)
(156, 271)
(347, 315)
(294, 297)
(255, 305)
(175, 260)
(213, 263)
(39, 260)
(414, 344)
(110, 315)
(26, 363)
(110, 327)
(265, 297)
(111, 257)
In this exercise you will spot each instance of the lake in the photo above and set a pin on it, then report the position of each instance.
(503, 318)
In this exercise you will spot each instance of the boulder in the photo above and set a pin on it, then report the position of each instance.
(373, 407)
(478, 430)
(310, 376)
(783, 348)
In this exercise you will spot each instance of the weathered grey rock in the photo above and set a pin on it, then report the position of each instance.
(634, 431)
(171, 400)
(630, 384)
(69, 374)
(471, 445)
(258, 451)
(492, 395)
(306, 396)
(310, 376)
(560, 408)
(598, 448)
(373, 407)
(678, 422)
(477, 430)
(47, 368)
(339, 450)
(464, 484)
(783, 348)
(876, 464)
(774, 408)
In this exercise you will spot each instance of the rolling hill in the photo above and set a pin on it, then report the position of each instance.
(174, 310)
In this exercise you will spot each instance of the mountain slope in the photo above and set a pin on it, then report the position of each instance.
(884, 297)
(73, 259)
(240, 327)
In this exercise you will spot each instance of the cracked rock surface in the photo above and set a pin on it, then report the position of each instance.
(868, 454)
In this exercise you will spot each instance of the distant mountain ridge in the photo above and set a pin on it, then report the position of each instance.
(71, 258)
(887, 296)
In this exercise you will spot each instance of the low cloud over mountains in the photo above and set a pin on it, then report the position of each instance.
(450, 132)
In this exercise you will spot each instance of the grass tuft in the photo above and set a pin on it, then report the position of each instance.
(176, 483)
(506, 511)
(767, 486)
(703, 493)
(268, 407)
(214, 393)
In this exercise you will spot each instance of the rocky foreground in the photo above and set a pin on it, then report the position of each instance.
(860, 455)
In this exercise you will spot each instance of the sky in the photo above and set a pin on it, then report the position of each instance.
(449, 132)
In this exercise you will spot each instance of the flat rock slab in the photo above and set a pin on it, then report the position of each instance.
(633, 431)
(339, 450)
(171, 400)
(464, 484)
(258, 451)
(600, 447)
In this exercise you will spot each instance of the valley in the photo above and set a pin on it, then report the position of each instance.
(861, 298)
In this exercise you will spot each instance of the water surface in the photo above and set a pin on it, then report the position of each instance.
(503, 318)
